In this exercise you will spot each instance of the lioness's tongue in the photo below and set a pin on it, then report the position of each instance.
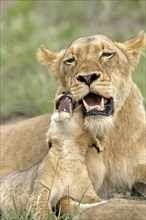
(65, 105)
(93, 101)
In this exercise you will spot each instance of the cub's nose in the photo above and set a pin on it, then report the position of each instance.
(88, 79)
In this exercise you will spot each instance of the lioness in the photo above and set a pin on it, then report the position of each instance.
(63, 172)
(98, 72)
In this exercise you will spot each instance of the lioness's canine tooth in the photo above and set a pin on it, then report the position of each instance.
(102, 103)
(87, 107)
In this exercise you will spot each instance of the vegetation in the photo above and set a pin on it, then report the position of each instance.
(26, 87)
(24, 214)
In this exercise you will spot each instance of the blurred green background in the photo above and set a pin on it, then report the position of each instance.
(26, 87)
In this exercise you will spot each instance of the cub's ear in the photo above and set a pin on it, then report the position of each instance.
(134, 49)
(51, 59)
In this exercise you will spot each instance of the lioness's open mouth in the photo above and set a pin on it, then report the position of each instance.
(65, 104)
(97, 105)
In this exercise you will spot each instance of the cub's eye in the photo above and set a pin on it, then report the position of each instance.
(70, 60)
(107, 54)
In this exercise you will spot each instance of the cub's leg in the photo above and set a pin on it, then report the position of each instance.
(44, 190)
(39, 205)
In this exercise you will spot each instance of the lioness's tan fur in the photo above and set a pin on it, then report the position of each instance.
(119, 209)
(18, 139)
(122, 161)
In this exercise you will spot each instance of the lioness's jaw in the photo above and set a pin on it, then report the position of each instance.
(97, 105)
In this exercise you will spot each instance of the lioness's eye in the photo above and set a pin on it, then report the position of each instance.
(107, 55)
(70, 60)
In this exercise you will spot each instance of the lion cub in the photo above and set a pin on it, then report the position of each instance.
(63, 172)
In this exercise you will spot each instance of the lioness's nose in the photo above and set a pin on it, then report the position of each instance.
(88, 79)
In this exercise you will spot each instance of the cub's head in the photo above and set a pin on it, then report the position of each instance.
(67, 119)
(66, 109)
(97, 71)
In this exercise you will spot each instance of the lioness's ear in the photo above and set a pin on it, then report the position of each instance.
(137, 42)
(51, 59)
(46, 56)
(134, 48)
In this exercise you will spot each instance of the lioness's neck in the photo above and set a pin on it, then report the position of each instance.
(132, 111)
(130, 119)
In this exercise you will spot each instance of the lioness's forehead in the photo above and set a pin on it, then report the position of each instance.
(99, 41)
(95, 38)
(91, 39)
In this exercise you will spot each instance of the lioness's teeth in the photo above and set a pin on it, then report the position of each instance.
(93, 107)
(102, 103)
(87, 107)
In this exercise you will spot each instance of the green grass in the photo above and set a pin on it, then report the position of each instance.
(26, 87)
(21, 213)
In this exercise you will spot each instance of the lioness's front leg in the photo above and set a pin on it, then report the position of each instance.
(68, 204)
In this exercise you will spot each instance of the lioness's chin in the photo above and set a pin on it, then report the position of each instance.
(98, 124)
